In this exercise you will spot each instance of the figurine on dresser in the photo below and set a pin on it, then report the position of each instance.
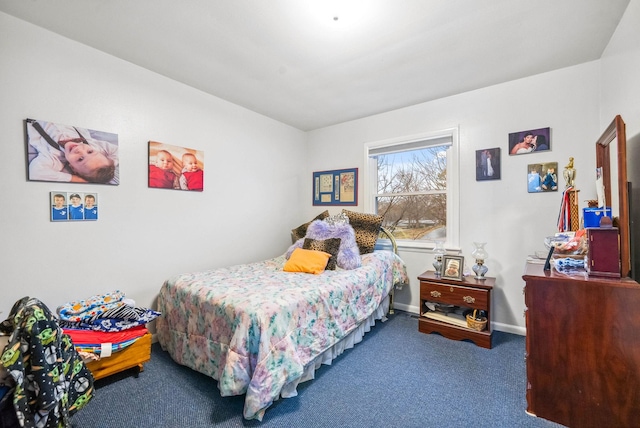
(569, 174)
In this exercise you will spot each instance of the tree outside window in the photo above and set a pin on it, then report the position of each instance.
(410, 187)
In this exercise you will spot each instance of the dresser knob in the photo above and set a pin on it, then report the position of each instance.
(435, 294)
(469, 299)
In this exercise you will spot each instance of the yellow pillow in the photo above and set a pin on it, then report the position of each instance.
(308, 261)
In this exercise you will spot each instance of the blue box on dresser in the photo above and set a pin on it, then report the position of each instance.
(592, 216)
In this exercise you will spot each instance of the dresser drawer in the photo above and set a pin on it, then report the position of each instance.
(454, 295)
(134, 355)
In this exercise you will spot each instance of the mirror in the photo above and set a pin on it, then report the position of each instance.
(615, 137)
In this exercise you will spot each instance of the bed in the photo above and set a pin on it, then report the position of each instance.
(260, 331)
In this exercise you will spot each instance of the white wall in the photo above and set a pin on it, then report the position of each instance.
(578, 103)
(254, 166)
(620, 95)
(500, 212)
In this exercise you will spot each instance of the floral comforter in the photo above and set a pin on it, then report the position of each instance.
(254, 327)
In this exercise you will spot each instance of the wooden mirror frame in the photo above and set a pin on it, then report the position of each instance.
(617, 131)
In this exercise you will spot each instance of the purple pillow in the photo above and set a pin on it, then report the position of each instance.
(348, 254)
(301, 230)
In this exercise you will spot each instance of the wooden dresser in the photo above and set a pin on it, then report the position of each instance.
(582, 348)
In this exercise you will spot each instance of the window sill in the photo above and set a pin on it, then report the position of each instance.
(416, 247)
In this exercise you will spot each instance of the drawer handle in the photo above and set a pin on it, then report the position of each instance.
(469, 299)
(435, 294)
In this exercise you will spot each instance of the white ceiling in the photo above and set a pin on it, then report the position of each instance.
(292, 61)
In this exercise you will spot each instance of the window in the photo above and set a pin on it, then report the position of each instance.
(413, 182)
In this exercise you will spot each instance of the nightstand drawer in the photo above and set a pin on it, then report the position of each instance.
(454, 295)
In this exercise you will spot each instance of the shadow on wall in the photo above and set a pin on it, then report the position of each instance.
(633, 175)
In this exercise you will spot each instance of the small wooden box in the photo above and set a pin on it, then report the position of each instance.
(603, 252)
(134, 355)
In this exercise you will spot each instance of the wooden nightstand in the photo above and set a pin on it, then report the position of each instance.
(468, 293)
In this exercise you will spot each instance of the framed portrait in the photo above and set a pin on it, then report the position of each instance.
(452, 267)
(488, 164)
(73, 206)
(336, 187)
(71, 154)
(175, 167)
(530, 141)
(542, 177)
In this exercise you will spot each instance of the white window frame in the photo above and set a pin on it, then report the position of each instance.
(370, 180)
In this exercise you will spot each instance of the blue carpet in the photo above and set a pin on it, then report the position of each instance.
(396, 377)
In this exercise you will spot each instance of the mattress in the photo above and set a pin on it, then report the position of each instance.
(256, 328)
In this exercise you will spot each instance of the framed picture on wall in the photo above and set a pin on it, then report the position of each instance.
(336, 187)
(70, 154)
(488, 164)
(175, 167)
(530, 141)
(542, 177)
(73, 206)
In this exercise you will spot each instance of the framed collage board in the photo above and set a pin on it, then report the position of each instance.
(336, 187)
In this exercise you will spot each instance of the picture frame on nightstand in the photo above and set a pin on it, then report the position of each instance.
(452, 267)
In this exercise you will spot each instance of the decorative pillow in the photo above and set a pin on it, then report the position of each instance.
(301, 231)
(331, 246)
(307, 261)
(340, 218)
(348, 254)
(367, 228)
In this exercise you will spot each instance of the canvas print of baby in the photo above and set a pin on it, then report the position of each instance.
(174, 167)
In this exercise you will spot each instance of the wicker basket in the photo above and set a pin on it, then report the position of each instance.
(474, 324)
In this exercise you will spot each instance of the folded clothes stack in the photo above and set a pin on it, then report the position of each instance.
(569, 265)
(103, 324)
(91, 341)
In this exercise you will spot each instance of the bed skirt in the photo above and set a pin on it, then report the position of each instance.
(349, 341)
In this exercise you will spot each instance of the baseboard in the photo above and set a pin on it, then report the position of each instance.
(498, 326)
(406, 308)
(508, 328)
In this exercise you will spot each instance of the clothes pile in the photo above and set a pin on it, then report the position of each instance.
(45, 380)
(103, 324)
